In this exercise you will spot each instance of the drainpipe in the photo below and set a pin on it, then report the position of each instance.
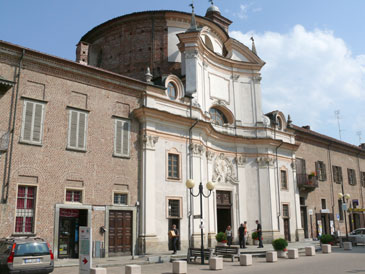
(11, 126)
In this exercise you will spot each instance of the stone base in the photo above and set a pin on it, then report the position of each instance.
(299, 235)
(196, 241)
(179, 267)
(132, 269)
(310, 251)
(271, 256)
(97, 270)
(216, 263)
(293, 253)
(326, 249)
(211, 240)
(282, 254)
(246, 259)
(152, 244)
(347, 245)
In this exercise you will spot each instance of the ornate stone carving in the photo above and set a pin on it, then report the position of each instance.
(257, 78)
(197, 149)
(266, 121)
(196, 104)
(149, 141)
(191, 54)
(220, 103)
(210, 155)
(224, 171)
(240, 160)
(265, 161)
(235, 77)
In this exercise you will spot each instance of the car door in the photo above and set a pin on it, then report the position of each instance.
(363, 236)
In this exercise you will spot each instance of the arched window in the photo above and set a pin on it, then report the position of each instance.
(208, 43)
(279, 123)
(217, 116)
(171, 91)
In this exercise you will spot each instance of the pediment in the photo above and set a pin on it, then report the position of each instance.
(234, 45)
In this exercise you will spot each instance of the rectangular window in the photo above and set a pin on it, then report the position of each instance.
(77, 128)
(174, 208)
(32, 126)
(321, 171)
(74, 196)
(352, 176)
(120, 198)
(355, 203)
(340, 210)
(285, 211)
(283, 179)
(121, 137)
(337, 174)
(362, 174)
(173, 166)
(323, 204)
(25, 207)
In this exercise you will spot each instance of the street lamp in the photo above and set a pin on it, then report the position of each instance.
(210, 186)
(344, 197)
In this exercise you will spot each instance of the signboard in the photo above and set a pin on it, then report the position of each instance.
(344, 206)
(85, 255)
(325, 210)
(68, 212)
(338, 217)
(99, 208)
(310, 211)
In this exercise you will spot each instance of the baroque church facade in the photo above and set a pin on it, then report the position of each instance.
(171, 97)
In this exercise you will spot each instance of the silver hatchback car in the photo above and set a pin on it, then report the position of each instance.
(25, 255)
(357, 236)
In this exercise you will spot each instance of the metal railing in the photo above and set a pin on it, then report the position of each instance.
(306, 181)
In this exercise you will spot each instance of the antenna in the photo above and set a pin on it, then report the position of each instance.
(337, 114)
(358, 133)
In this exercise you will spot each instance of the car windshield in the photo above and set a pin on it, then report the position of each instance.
(31, 249)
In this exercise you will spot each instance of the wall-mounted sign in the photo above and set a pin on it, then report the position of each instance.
(310, 211)
(85, 255)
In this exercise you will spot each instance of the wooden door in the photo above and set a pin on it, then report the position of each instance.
(287, 229)
(120, 232)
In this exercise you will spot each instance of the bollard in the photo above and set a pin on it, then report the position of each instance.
(293, 253)
(216, 263)
(97, 270)
(347, 245)
(132, 269)
(271, 256)
(310, 251)
(246, 259)
(179, 267)
(326, 249)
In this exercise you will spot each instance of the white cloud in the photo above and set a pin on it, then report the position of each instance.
(242, 14)
(245, 9)
(309, 74)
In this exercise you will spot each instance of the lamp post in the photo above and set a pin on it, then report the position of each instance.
(210, 186)
(344, 197)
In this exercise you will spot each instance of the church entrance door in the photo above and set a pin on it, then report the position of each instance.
(224, 208)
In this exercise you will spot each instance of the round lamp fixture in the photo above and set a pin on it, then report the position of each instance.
(190, 183)
(210, 185)
(340, 195)
(347, 196)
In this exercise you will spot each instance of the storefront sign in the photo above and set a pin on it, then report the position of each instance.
(310, 211)
(85, 255)
(99, 208)
(66, 212)
(356, 209)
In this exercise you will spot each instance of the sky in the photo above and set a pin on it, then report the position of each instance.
(314, 50)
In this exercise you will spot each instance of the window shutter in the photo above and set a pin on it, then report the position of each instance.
(318, 170)
(37, 125)
(340, 174)
(324, 172)
(126, 138)
(28, 119)
(118, 137)
(82, 127)
(73, 128)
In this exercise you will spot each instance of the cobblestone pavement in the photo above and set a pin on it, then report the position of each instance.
(338, 262)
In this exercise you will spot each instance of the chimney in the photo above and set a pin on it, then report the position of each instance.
(306, 127)
(82, 53)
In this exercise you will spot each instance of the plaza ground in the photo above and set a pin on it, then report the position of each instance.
(338, 262)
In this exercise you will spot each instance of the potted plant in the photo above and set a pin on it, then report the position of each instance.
(255, 238)
(221, 238)
(326, 239)
(280, 246)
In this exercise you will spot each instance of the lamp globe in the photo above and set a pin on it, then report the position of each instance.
(190, 183)
(210, 185)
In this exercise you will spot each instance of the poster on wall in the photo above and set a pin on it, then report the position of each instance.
(319, 224)
(332, 227)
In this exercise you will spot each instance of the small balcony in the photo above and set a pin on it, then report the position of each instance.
(307, 182)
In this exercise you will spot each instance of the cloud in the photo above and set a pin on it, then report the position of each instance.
(310, 74)
(245, 9)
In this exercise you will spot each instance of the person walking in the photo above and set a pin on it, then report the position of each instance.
(229, 235)
(242, 231)
(174, 235)
(259, 234)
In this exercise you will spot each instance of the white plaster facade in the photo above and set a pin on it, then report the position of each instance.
(244, 156)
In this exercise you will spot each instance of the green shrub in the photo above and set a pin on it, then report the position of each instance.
(326, 239)
(221, 237)
(279, 244)
(255, 236)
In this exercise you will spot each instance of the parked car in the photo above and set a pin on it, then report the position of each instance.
(23, 255)
(357, 236)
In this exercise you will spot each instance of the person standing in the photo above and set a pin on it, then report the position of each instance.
(174, 234)
(241, 235)
(229, 235)
(259, 234)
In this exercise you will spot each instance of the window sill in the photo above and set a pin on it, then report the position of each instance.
(120, 205)
(170, 217)
(17, 234)
(121, 156)
(30, 143)
(73, 203)
(170, 179)
(76, 149)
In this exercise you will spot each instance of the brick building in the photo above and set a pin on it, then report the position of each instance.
(326, 169)
(68, 151)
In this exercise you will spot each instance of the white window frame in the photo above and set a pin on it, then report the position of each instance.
(115, 152)
(168, 216)
(31, 141)
(121, 193)
(77, 129)
(26, 212)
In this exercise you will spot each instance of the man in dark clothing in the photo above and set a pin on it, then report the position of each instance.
(174, 237)
(242, 230)
(259, 233)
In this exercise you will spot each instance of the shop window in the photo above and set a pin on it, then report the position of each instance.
(24, 222)
(321, 171)
(174, 208)
(283, 179)
(32, 125)
(173, 166)
(74, 196)
(120, 199)
(351, 176)
(337, 174)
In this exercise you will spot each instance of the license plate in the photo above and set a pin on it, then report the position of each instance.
(32, 261)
